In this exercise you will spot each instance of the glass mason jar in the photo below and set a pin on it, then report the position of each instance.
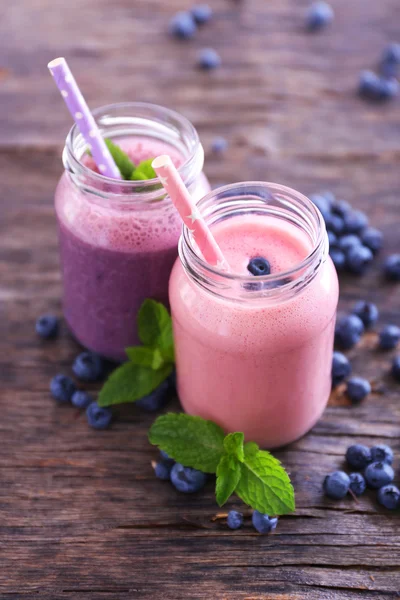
(118, 239)
(254, 354)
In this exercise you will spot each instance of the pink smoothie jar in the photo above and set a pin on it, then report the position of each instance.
(254, 354)
(118, 239)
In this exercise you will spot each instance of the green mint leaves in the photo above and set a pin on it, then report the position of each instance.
(149, 364)
(142, 172)
(253, 474)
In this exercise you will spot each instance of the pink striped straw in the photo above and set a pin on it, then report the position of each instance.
(185, 205)
(82, 116)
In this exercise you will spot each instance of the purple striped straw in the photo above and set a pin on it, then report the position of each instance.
(82, 116)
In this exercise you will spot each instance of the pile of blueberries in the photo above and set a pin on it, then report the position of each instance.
(385, 85)
(189, 481)
(352, 243)
(377, 473)
(348, 332)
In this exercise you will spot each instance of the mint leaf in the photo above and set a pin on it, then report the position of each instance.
(155, 328)
(192, 441)
(145, 356)
(131, 382)
(233, 444)
(228, 476)
(121, 159)
(144, 171)
(264, 484)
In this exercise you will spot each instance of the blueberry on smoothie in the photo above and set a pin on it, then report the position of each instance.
(341, 368)
(382, 453)
(336, 485)
(235, 519)
(98, 417)
(263, 523)
(187, 480)
(62, 388)
(348, 331)
(358, 456)
(373, 239)
(378, 474)
(209, 59)
(389, 337)
(259, 266)
(183, 25)
(391, 267)
(367, 311)
(357, 484)
(88, 366)
(319, 15)
(389, 497)
(358, 389)
(47, 326)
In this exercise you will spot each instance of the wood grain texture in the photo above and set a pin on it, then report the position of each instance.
(81, 514)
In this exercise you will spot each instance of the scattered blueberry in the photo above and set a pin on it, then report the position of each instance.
(263, 523)
(88, 366)
(358, 259)
(183, 25)
(378, 474)
(358, 389)
(358, 456)
(367, 311)
(389, 337)
(341, 207)
(322, 203)
(319, 15)
(341, 368)
(336, 485)
(330, 197)
(389, 497)
(357, 483)
(396, 368)
(162, 470)
(209, 59)
(355, 221)
(259, 266)
(391, 267)
(81, 399)
(334, 223)
(98, 417)
(348, 331)
(62, 388)
(373, 239)
(377, 88)
(187, 480)
(235, 519)
(47, 326)
(338, 258)
(156, 399)
(219, 145)
(348, 241)
(390, 61)
(332, 238)
(166, 457)
(201, 13)
(382, 453)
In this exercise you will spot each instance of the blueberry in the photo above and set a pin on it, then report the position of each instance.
(334, 223)
(166, 457)
(341, 207)
(390, 61)
(201, 13)
(348, 241)
(378, 474)
(389, 497)
(187, 480)
(62, 388)
(336, 485)
(358, 456)
(47, 326)
(98, 417)
(358, 389)
(209, 59)
(332, 239)
(355, 221)
(219, 145)
(391, 267)
(88, 366)
(367, 311)
(259, 266)
(162, 470)
(182, 25)
(341, 368)
(338, 258)
(348, 331)
(330, 197)
(235, 519)
(319, 15)
(81, 399)
(357, 483)
(377, 88)
(156, 399)
(373, 239)
(263, 523)
(358, 259)
(322, 203)
(396, 368)
(389, 337)
(382, 453)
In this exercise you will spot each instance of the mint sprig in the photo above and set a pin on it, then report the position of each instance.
(149, 365)
(142, 172)
(253, 474)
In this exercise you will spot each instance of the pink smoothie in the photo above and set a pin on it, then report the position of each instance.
(260, 366)
(115, 252)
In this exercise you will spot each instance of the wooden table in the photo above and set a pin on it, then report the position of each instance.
(81, 514)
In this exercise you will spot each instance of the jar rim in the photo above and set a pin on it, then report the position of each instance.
(194, 263)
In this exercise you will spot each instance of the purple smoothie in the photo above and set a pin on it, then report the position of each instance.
(115, 252)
